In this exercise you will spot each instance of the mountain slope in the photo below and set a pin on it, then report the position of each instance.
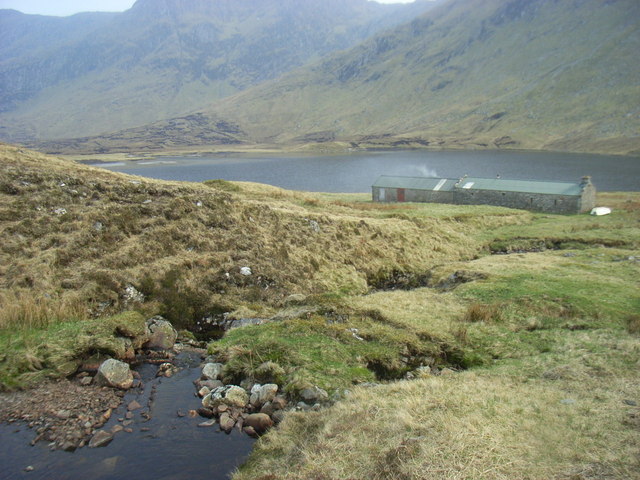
(92, 73)
(521, 74)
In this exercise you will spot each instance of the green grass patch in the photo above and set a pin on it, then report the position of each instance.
(329, 353)
(33, 354)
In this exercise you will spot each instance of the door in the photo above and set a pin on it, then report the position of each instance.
(401, 194)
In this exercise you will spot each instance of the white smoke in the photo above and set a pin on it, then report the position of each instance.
(425, 171)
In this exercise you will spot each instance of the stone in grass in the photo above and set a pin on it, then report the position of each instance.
(114, 373)
(212, 371)
(314, 395)
(261, 394)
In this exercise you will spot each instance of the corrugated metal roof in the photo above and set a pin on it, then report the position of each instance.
(474, 183)
(416, 183)
(526, 186)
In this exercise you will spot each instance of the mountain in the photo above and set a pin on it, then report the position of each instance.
(530, 74)
(96, 72)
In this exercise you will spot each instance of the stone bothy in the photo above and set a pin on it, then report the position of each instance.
(551, 197)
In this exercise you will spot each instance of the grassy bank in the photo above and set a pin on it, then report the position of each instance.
(533, 318)
(549, 386)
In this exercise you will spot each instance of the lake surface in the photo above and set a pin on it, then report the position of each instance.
(356, 172)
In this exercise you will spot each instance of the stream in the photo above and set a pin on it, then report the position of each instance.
(163, 445)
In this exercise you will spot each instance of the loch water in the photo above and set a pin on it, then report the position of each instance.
(357, 171)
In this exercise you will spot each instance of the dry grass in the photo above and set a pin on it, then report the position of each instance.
(633, 324)
(23, 310)
(480, 312)
(75, 233)
(464, 426)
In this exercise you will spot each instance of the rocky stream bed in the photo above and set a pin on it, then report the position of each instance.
(163, 414)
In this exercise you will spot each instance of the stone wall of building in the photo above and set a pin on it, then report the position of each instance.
(520, 200)
(588, 199)
(387, 194)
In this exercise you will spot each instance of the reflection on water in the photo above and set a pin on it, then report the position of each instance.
(356, 172)
(165, 447)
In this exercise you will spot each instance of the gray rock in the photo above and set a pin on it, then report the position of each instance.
(132, 295)
(210, 384)
(114, 373)
(246, 271)
(86, 381)
(314, 395)
(267, 392)
(226, 422)
(314, 226)
(254, 398)
(231, 395)
(101, 438)
(212, 371)
(162, 335)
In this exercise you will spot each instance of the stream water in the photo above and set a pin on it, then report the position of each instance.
(165, 446)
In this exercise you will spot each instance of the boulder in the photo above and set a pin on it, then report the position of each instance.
(114, 373)
(230, 395)
(210, 384)
(161, 333)
(212, 371)
(260, 422)
(236, 397)
(314, 395)
(267, 393)
(226, 422)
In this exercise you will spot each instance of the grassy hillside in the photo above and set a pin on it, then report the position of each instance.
(493, 74)
(95, 73)
(528, 323)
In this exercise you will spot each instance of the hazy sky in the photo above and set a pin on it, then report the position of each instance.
(69, 7)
